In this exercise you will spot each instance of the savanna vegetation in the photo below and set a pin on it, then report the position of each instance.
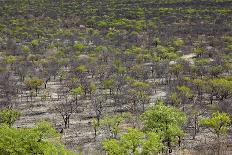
(139, 77)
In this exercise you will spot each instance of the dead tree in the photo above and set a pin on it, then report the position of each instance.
(66, 109)
(97, 103)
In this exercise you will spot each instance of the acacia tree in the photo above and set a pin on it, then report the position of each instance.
(185, 94)
(109, 84)
(219, 124)
(220, 87)
(134, 142)
(112, 124)
(76, 92)
(141, 92)
(199, 86)
(34, 83)
(177, 70)
(165, 120)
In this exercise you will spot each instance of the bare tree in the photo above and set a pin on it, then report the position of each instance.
(66, 109)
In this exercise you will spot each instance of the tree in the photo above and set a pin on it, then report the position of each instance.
(199, 85)
(178, 42)
(185, 94)
(134, 142)
(174, 98)
(9, 116)
(34, 83)
(109, 84)
(43, 139)
(111, 124)
(219, 124)
(199, 52)
(98, 101)
(77, 92)
(140, 92)
(95, 124)
(176, 69)
(220, 87)
(164, 120)
(8, 88)
(66, 109)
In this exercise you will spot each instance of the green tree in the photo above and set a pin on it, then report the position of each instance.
(174, 98)
(199, 52)
(79, 47)
(219, 123)
(9, 116)
(185, 94)
(10, 59)
(176, 69)
(109, 84)
(34, 83)
(178, 42)
(81, 69)
(220, 87)
(199, 85)
(43, 139)
(77, 92)
(111, 124)
(164, 120)
(140, 92)
(134, 142)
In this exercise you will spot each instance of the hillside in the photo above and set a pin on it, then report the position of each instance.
(107, 72)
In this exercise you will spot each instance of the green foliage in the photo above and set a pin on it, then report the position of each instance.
(175, 99)
(79, 47)
(219, 123)
(140, 85)
(229, 47)
(176, 69)
(95, 124)
(228, 39)
(10, 59)
(167, 53)
(26, 50)
(42, 139)
(35, 42)
(8, 116)
(221, 86)
(33, 83)
(92, 87)
(216, 70)
(198, 51)
(111, 124)
(185, 91)
(178, 42)
(108, 83)
(199, 83)
(77, 91)
(81, 69)
(134, 142)
(112, 147)
(202, 62)
(102, 24)
(164, 120)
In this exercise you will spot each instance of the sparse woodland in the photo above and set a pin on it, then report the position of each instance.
(110, 77)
